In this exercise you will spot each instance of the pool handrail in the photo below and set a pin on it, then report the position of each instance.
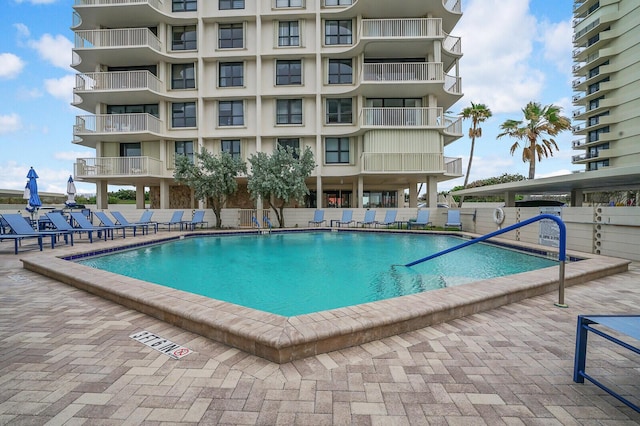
(562, 249)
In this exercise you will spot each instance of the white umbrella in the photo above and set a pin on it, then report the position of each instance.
(27, 193)
(71, 192)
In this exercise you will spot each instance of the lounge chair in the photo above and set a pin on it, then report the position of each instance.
(82, 222)
(347, 218)
(318, 218)
(17, 238)
(146, 218)
(61, 224)
(421, 221)
(22, 229)
(121, 220)
(389, 219)
(105, 222)
(198, 219)
(176, 219)
(453, 219)
(369, 218)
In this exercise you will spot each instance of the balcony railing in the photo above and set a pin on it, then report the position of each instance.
(155, 3)
(119, 80)
(452, 44)
(452, 84)
(453, 125)
(123, 37)
(453, 5)
(453, 166)
(118, 166)
(402, 28)
(117, 123)
(401, 72)
(422, 117)
(578, 143)
(402, 162)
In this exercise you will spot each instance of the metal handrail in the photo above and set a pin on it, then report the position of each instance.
(562, 249)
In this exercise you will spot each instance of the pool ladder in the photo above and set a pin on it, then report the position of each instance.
(265, 220)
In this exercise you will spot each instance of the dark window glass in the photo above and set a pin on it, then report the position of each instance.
(339, 110)
(288, 72)
(288, 33)
(337, 150)
(230, 4)
(337, 32)
(184, 5)
(289, 111)
(231, 74)
(185, 148)
(232, 146)
(293, 143)
(184, 38)
(340, 71)
(231, 113)
(183, 114)
(130, 149)
(183, 76)
(231, 36)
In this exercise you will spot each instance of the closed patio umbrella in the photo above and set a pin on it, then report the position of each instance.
(32, 185)
(71, 193)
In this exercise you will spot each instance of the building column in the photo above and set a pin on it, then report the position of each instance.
(102, 195)
(140, 204)
(432, 191)
(319, 191)
(413, 194)
(509, 199)
(164, 194)
(576, 198)
(360, 193)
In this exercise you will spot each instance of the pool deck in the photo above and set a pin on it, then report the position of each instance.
(67, 358)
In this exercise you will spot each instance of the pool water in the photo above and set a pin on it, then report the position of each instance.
(298, 273)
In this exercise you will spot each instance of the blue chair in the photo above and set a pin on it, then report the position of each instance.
(107, 223)
(389, 219)
(198, 219)
(421, 221)
(453, 219)
(17, 238)
(347, 218)
(176, 219)
(146, 219)
(22, 229)
(318, 218)
(369, 218)
(61, 224)
(80, 221)
(121, 220)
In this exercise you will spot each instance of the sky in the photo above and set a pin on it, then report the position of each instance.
(514, 52)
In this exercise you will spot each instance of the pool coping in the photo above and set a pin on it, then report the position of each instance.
(283, 339)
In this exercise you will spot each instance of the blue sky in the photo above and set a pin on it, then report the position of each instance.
(515, 51)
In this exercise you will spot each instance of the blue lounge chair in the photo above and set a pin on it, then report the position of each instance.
(453, 219)
(146, 218)
(106, 222)
(347, 218)
(389, 219)
(121, 220)
(369, 218)
(17, 238)
(81, 221)
(20, 227)
(318, 218)
(198, 219)
(176, 219)
(61, 224)
(421, 221)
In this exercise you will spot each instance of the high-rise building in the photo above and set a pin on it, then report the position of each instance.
(365, 84)
(607, 88)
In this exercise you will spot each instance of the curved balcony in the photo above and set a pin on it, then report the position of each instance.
(91, 129)
(109, 87)
(117, 47)
(414, 118)
(117, 13)
(385, 162)
(113, 167)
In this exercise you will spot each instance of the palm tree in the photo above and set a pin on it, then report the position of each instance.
(540, 123)
(477, 113)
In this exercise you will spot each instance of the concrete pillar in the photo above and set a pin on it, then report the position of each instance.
(509, 199)
(432, 191)
(360, 193)
(413, 194)
(576, 198)
(140, 204)
(102, 195)
(164, 194)
(319, 191)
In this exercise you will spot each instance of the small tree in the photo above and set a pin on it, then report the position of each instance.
(478, 113)
(280, 177)
(212, 177)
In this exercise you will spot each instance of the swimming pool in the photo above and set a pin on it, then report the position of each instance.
(299, 273)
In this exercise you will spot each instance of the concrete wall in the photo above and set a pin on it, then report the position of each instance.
(610, 231)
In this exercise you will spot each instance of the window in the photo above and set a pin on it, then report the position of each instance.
(184, 148)
(338, 2)
(288, 33)
(231, 74)
(184, 5)
(288, 72)
(232, 146)
(184, 38)
(293, 143)
(288, 3)
(339, 111)
(130, 149)
(230, 4)
(183, 114)
(336, 150)
(183, 76)
(340, 71)
(134, 109)
(231, 36)
(337, 32)
(231, 113)
(289, 111)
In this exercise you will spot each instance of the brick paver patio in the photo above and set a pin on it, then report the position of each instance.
(67, 358)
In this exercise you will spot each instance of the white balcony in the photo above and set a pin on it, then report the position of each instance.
(378, 162)
(109, 87)
(117, 123)
(453, 166)
(402, 72)
(117, 38)
(402, 28)
(417, 118)
(105, 167)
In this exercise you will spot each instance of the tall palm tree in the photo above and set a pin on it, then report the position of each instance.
(477, 113)
(539, 124)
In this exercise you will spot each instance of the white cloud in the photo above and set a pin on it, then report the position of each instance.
(23, 30)
(72, 155)
(498, 39)
(558, 45)
(12, 65)
(61, 88)
(36, 1)
(54, 49)
(10, 123)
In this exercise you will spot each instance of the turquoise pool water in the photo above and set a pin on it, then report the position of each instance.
(304, 272)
